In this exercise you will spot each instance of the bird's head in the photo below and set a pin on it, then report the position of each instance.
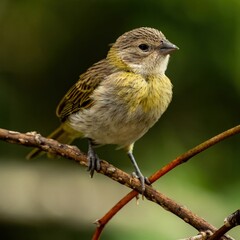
(142, 50)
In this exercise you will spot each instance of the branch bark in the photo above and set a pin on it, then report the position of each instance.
(34, 139)
(179, 160)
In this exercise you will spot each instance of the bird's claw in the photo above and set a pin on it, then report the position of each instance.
(93, 162)
(143, 180)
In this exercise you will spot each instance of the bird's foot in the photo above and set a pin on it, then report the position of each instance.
(143, 180)
(138, 173)
(93, 161)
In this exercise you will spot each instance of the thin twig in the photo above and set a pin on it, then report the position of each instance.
(230, 222)
(200, 236)
(179, 160)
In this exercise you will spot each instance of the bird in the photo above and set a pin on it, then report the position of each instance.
(119, 98)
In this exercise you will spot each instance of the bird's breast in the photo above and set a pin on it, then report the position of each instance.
(125, 107)
(147, 96)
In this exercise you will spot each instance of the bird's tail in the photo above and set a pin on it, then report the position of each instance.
(61, 135)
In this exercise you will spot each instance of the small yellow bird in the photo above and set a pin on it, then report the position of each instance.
(119, 98)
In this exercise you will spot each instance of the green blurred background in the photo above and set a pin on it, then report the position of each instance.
(46, 44)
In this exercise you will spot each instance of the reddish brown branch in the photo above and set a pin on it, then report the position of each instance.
(194, 151)
(179, 160)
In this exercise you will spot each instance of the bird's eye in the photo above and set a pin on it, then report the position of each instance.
(144, 47)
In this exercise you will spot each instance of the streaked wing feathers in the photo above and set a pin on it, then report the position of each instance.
(79, 95)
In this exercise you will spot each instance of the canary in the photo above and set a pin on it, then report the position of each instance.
(119, 98)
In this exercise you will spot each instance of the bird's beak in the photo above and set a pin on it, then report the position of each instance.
(167, 47)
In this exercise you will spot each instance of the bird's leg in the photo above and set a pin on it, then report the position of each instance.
(93, 160)
(138, 173)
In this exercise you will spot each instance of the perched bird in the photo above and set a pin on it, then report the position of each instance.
(119, 98)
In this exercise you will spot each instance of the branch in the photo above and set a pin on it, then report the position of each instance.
(179, 160)
(200, 236)
(34, 139)
(230, 222)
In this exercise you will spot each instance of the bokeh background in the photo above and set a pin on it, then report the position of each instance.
(46, 44)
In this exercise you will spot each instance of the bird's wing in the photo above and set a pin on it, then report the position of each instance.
(79, 95)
